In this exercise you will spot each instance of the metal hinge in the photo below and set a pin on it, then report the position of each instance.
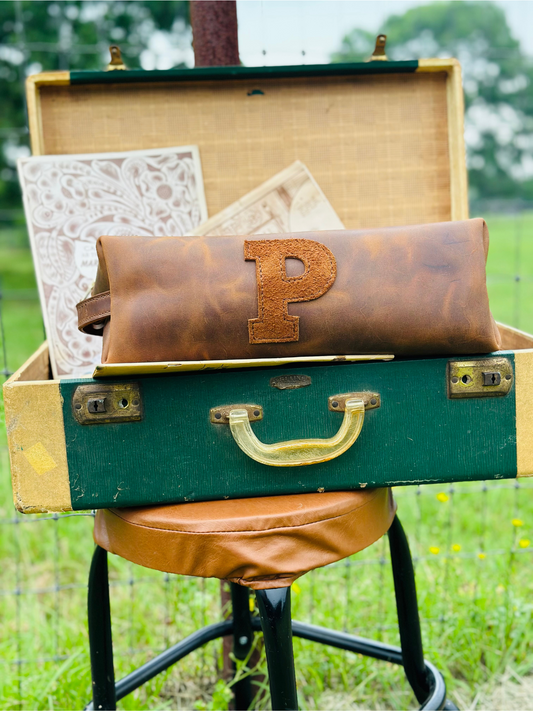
(103, 403)
(486, 377)
(116, 59)
(378, 55)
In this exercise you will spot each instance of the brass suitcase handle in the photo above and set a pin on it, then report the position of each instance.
(298, 452)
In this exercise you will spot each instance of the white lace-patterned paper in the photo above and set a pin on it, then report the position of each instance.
(72, 200)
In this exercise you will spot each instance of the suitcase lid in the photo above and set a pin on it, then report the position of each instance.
(384, 140)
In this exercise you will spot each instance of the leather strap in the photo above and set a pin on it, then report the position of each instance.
(93, 313)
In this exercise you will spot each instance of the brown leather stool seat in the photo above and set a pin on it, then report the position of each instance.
(261, 543)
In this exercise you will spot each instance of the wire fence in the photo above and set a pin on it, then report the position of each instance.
(470, 541)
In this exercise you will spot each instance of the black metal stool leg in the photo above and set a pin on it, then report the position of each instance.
(242, 643)
(275, 612)
(407, 606)
(100, 642)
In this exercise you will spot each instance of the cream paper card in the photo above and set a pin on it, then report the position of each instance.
(291, 201)
(71, 200)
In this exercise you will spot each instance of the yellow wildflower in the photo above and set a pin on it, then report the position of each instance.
(481, 556)
(456, 548)
(442, 497)
(517, 522)
(524, 543)
(434, 549)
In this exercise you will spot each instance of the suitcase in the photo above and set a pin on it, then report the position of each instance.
(384, 140)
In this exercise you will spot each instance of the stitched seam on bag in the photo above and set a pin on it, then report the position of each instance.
(92, 317)
(287, 301)
(85, 319)
(261, 530)
(90, 303)
(92, 299)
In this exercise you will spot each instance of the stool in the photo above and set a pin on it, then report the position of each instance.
(263, 544)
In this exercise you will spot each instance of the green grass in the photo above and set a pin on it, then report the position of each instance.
(511, 256)
(475, 600)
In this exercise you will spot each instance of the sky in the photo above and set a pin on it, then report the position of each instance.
(277, 32)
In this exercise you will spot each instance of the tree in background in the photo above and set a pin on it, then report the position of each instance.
(497, 80)
(40, 35)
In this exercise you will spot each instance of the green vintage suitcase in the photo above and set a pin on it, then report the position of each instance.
(385, 142)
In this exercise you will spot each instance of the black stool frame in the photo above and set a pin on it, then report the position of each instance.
(278, 629)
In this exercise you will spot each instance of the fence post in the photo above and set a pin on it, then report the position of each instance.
(214, 31)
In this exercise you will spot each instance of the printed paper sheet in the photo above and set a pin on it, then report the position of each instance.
(291, 201)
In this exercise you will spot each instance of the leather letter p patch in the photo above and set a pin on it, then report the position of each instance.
(275, 290)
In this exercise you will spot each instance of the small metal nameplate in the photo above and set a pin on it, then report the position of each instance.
(485, 377)
(290, 382)
(104, 403)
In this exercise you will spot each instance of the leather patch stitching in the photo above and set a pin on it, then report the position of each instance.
(275, 290)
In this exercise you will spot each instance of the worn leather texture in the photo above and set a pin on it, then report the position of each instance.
(275, 291)
(261, 543)
(408, 291)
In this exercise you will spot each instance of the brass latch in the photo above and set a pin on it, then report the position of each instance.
(107, 402)
(486, 377)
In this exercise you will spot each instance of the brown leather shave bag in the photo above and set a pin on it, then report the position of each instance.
(402, 290)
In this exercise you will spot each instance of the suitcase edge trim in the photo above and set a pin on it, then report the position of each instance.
(524, 412)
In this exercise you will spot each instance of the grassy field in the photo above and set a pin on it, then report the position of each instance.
(471, 544)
